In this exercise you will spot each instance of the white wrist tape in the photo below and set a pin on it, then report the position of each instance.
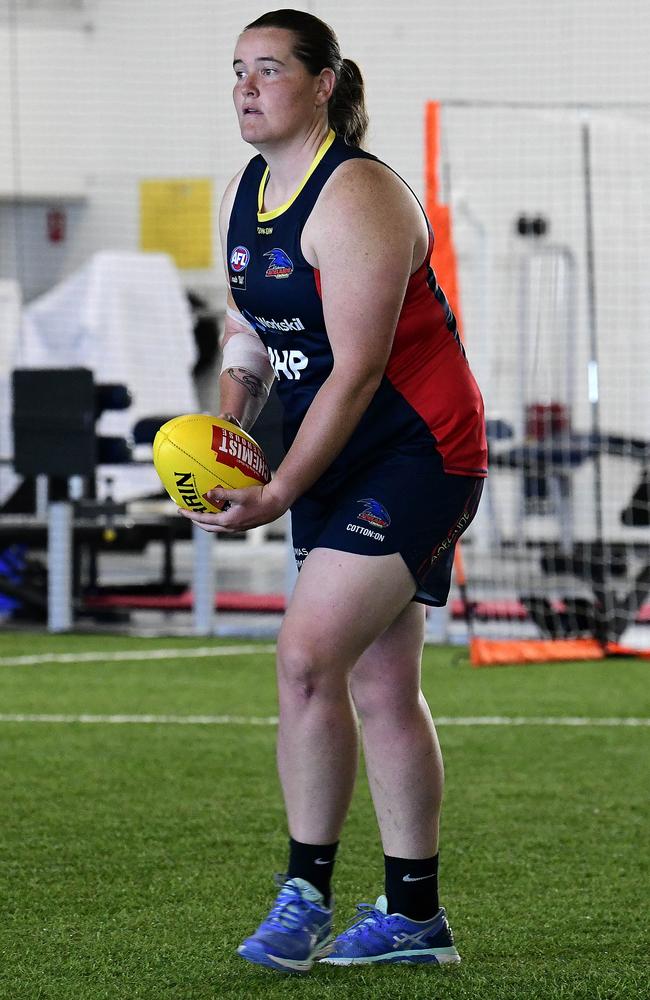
(237, 317)
(246, 350)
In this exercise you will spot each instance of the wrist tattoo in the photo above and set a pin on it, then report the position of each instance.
(251, 382)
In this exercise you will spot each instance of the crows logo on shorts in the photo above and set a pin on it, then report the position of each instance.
(374, 513)
(281, 265)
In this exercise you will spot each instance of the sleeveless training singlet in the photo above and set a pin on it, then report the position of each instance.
(428, 401)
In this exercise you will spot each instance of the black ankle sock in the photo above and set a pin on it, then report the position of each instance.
(412, 887)
(314, 863)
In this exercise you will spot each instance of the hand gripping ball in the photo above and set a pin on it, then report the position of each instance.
(196, 452)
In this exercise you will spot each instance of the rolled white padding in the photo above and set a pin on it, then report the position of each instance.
(290, 567)
(76, 487)
(246, 350)
(59, 567)
(437, 625)
(237, 317)
(203, 580)
(42, 497)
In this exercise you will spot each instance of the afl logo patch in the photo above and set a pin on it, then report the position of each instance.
(281, 265)
(239, 259)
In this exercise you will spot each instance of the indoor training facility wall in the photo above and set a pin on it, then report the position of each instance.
(130, 89)
(97, 96)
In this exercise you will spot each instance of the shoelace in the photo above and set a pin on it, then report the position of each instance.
(368, 916)
(288, 911)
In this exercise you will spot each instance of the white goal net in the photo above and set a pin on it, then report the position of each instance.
(552, 233)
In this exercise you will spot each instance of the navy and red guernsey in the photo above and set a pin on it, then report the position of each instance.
(428, 400)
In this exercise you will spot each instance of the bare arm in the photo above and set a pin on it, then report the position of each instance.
(242, 392)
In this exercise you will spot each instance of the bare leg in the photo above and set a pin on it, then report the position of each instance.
(341, 605)
(401, 748)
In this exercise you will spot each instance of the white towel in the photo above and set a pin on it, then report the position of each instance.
(10, 303)
(126, 317)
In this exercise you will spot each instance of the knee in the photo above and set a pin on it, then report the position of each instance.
(370, 698)
(303, 670)
(375, 699)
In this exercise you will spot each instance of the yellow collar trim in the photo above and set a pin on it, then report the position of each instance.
(265, 216)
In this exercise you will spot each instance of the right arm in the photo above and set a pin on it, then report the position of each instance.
(246, 373)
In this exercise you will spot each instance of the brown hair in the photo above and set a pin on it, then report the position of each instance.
(317, 47)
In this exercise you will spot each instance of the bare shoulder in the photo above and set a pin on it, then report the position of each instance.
(361, 172)
(362, 200)
(225, 210)
(228, 199)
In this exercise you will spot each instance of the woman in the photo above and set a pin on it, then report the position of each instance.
(327, 257)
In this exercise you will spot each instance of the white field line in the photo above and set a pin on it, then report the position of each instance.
(271, 720)
(131, 655)
(156, 720)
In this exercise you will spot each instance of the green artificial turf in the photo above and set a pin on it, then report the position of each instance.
(135, 857)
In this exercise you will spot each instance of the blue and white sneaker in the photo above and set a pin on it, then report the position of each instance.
(297, 931)
(377, 936)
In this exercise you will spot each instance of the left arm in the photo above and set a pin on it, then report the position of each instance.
(362, 238)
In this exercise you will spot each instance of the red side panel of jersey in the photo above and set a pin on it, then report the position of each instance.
(428, 367)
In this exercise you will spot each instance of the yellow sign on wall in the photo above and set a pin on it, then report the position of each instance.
(176, 218)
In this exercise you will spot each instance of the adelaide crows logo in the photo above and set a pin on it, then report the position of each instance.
(281, 265)
(374, 513)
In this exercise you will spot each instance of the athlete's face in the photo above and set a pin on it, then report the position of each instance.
(275, 95)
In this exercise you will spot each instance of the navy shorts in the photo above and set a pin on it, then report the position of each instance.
(404, 503)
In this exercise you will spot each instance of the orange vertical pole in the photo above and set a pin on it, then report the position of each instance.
(445, 266)
(443, 258)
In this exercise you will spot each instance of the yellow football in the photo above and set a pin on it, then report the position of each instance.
(196, 452)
